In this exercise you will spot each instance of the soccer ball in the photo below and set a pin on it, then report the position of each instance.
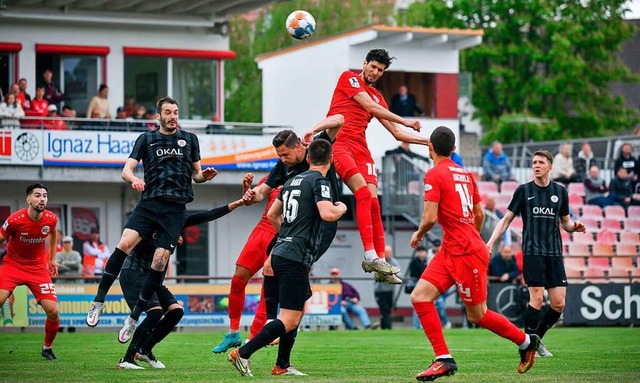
(300, 24)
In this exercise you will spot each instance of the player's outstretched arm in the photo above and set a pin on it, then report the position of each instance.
(403, 136)
(331, 124)
(572, 226)
(429, 218)
(202, 175)
(381, 113)
(257, 194)
(275, 214)
(129, 177)
(331, 212)
(500, 228)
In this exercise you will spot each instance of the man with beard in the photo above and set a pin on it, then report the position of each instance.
(171, 160)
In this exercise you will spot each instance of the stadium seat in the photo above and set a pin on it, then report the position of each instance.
(629, 237)
(615, 212)
(606, 237)
(634, 211)
(591, 224)
(517, 224)
(566, 237)
(598, 263)
(576, 263)
(602, 250)
(578, 250)
(502, 207)
(508, 187)
(592, 211)
(502, 199)
(576, 200)
(635, 274)
(487, 187)
(574, 275)
(622, 263)
(632, 224)
(611, 224)
(626, 249)
(619, 276)
(594, 275)
(576, 188)
(584, 238)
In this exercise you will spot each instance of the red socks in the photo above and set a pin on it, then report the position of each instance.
(261, 316)
(50, 332)
(500, 325)
(363, 217)
(378, 229)
(432, 327)
(236, 302)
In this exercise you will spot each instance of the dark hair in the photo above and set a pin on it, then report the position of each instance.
(443, 140)
(165, 100)
(102, 87)
(67, 107)
(286, 137)
(544, 153)
(420, 248)
(319, 152)
(22, 79)
(39, 86)
(35, 185)
(381, 56)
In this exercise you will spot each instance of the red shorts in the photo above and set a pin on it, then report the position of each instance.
(350, 161)
(35, 277)
(468, 272)
(254, 252)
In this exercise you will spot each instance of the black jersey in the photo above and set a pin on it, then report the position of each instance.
(541, 209)
(301, 231)
(168, 163)
(280, 173)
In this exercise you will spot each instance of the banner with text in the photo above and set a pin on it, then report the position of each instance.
(612, 304)
(111, 149)
(204, 305)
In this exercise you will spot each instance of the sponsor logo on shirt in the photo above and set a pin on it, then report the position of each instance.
(354, 82)
(45, 230)
(31, 241)
(544, 211)
(554, 198)
(182, 143)
(169, 152)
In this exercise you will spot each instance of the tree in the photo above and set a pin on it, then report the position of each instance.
(549, 59)
(251, 37)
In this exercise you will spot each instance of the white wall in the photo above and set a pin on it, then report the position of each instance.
(116, 37)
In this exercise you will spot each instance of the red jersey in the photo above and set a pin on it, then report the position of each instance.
(26, 238)
(38, 108)
(356, 118)
(455, 191)
(264, 222)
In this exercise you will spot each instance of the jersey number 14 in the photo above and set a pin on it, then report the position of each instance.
(465, 199)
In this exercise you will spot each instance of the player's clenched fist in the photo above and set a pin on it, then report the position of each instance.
(138, 184)
(413, 124)
(246, 182)
(416, 238)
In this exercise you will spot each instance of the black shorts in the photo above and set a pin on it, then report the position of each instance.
(293, 282)
(541, 271)
(131, 281)
(163, 218)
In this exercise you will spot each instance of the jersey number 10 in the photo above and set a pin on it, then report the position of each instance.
(290, 205)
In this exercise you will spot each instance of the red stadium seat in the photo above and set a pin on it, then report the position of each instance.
(594, 275)
(592, 211)
(566, 236)
(487, 187)
(502, 199)
(574, 275)
(615, 212)
(585, 238)
(632, 224)
(517, 224)
(634, 211)
(602, 250)
(576, 200)
(629, 237)
(576, 188)
(607, 237)
(508, 187)
(619, 276)
(598, 263)
(611, 224)
(591, 224)
(576, 263)
(622, 263)
(578, 250)
(626, 249)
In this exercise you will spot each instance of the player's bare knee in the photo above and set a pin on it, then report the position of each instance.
(53, 314)
(418, 296)
(557, 306)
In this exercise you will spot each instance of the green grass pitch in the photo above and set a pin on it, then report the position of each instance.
(580, 355)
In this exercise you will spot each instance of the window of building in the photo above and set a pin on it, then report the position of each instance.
(145, 79)
(195, 83)
(8, 65)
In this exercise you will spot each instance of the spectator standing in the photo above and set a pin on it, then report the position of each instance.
(11, 111)
(52, 92)
(69, 261)
(384, 293)
(39, 105)
(405, 104)
(23, 96)
(503, 267)
(596, 190)
(495, 165)
(350, 303)
(99, 105)
(96, 255)
(563, 170)
(629, 162)
(583, 163)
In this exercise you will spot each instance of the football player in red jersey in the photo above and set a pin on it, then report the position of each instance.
(26, 231)
(358, 102)
(451, 198)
